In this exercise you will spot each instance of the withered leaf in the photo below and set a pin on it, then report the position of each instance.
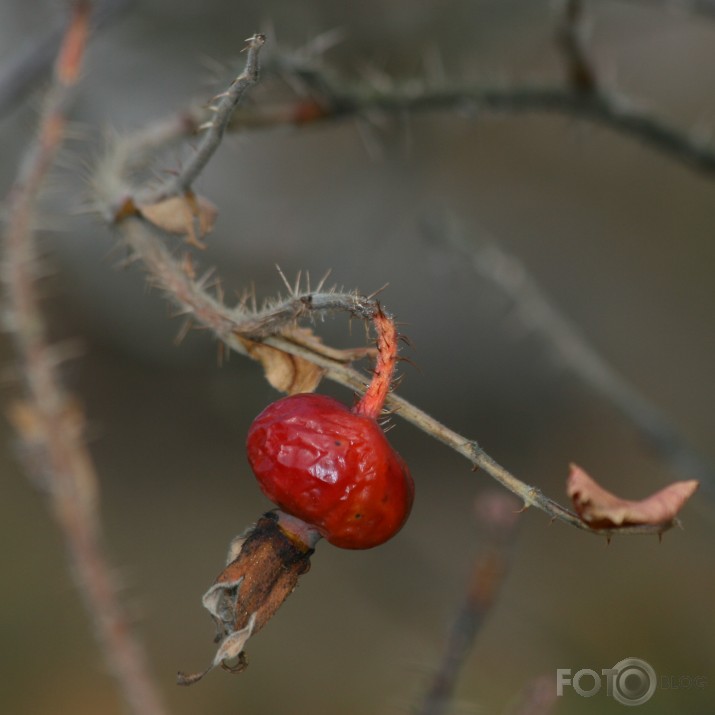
(602, 510)
(190, 215)
(287, 373)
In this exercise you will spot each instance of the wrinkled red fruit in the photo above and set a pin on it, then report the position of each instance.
(333, 469)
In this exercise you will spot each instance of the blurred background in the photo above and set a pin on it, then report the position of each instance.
(620, 237)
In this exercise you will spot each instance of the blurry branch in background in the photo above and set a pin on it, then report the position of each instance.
(33, 64)
(497, 517)
(49, 422)
(342, 101)
(573, 351)
(326, 96)
(274, 326)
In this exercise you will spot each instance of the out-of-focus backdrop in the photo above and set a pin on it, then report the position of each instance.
(619, 236)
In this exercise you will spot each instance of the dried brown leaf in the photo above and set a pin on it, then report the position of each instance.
(287, 373)
(190, 215)
(602, 510)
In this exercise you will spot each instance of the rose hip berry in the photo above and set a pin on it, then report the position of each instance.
(333, 474)
(331, 467)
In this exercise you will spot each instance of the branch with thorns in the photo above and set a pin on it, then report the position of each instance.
(272, 326)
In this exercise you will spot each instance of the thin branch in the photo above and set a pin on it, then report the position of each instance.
(49, 421)
(583, 97)
(332, 98)
(216, 126)
(600, 108)
(497, 517)
(575, 353)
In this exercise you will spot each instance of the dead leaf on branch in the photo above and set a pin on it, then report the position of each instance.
(602, 510)
(287, 373)
(292, 374)
(190, 215)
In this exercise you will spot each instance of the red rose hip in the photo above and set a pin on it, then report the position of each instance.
(332, 468)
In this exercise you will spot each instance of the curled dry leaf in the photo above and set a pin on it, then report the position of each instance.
(292, 374)
(602, 510)
(190, 215)
(287, 373)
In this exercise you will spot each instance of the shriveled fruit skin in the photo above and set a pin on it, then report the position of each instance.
(331, 468)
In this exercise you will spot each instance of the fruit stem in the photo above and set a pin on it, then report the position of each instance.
(372, 402)
(298, 530)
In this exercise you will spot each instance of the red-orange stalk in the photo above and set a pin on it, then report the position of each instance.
(372, 402)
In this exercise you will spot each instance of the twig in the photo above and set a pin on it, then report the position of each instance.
(497, 516)
(576, 354)
(216, 126)
(49, 421)
(583, 98)
(600, 108)
(333, 98)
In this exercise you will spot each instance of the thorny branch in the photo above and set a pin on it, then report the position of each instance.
(326, 96)
(216, 126)
(339, 100)
(49, 421)
(230, 325)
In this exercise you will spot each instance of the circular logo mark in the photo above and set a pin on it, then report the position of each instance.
(634, 682)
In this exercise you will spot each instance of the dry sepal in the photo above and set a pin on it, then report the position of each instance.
(263, 568)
